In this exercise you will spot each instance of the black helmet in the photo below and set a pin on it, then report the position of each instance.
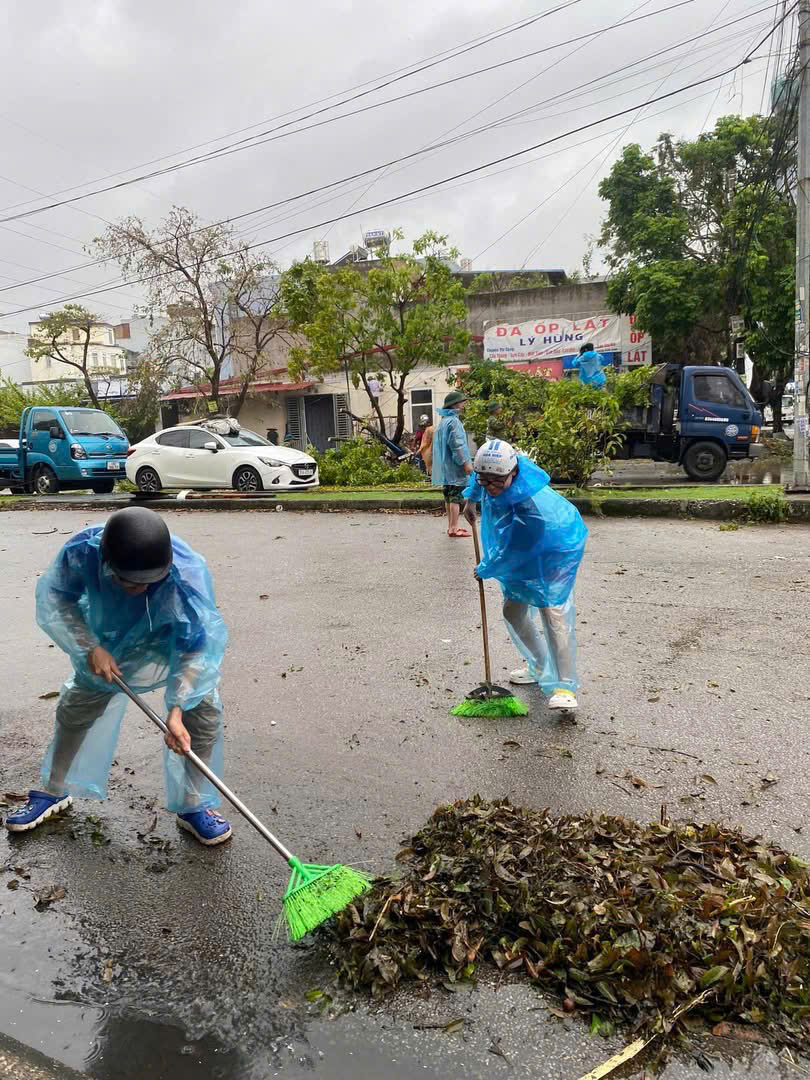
(137, 546)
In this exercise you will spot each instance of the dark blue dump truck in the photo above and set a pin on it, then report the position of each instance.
(698, 417)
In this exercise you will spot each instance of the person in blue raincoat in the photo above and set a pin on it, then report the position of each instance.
(590, 364)
(452, 463)
(132, 600)
(533, 542)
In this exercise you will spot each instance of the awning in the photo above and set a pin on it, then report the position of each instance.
(233, 387)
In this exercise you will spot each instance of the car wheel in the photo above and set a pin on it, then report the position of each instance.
(148, 479)
(105, 487)
(247, 479)
(45, 481)
(705, 461)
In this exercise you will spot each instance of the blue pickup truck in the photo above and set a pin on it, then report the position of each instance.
(698, 417)
(63, 448)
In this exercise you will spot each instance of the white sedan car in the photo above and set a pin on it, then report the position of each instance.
(193, 456)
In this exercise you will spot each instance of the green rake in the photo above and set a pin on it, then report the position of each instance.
(487, 699)
(314, 893)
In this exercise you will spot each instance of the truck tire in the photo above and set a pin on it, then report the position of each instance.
(45, 481)
(148, 479)
(247, 479)
(104, 487)
(705, 461)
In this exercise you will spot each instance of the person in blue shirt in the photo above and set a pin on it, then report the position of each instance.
(130, 599)
(590, 364)
(533, 542)
(452, 463)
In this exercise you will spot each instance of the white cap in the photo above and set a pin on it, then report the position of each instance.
(496, 457)
(424, 418)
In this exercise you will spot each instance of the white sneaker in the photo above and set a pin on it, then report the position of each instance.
(564, 700)
(521, 677)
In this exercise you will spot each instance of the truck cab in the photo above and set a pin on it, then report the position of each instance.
(64, 448)
(698, 418)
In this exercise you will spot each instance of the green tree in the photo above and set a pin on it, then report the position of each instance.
(223, 301)
(697, 231)
(408, 311)
(13, 399)
(66, 335)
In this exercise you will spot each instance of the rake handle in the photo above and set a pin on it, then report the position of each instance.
(199, 764)
(482, 596)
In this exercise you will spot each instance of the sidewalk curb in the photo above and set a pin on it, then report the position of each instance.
(696, 509)
(19, 1062)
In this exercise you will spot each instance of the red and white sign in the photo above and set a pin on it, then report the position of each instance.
(548, 339)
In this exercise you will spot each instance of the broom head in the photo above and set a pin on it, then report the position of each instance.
(490, 700)
(316, 893)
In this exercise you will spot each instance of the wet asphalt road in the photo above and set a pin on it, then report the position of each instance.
(159, 962)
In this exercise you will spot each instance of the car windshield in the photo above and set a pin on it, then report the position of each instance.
(90, 422)
(245, 438)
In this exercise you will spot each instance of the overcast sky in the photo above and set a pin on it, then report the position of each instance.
(91, 87)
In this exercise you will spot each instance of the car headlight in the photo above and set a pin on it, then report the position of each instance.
(271, 463)
(77, 450)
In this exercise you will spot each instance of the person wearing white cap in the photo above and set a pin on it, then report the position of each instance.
(533, 542)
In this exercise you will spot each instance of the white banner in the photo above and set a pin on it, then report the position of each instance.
(544, 339)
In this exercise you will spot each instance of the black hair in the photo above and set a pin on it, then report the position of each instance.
(586, 348)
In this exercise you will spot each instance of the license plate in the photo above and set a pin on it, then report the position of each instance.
(113, 466)
(305, 473)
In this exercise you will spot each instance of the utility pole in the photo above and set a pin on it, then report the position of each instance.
(801, 462)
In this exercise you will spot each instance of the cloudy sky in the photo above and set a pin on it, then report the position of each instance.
(99, 91)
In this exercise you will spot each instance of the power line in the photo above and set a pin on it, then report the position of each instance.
(389, 79)
(274, 134)
(427, 187)
(415, 154)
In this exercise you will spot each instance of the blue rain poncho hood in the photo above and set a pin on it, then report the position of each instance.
(533, 539)
(450, 450)
(590, 366)
(170, 636)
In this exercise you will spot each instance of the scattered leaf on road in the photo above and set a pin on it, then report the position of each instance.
(49, 696)
(43, 898)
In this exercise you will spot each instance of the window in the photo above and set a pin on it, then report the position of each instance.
(44, 419)
(245, 438)
(77, 334)
(90, 422)
(173, 438)
(197, 438)
(110, 337)
(94, 359)
(421, 405)
(719, 390)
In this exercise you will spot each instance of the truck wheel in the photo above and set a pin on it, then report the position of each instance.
(148, 479)
(247, 479)
(105, 487)
(705, 461)
(45, 481)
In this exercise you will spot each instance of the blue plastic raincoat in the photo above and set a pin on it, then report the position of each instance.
(450, 450)
(170, 636)
(533, 542)
(590, 366)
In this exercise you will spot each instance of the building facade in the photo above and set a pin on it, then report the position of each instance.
(104, 355)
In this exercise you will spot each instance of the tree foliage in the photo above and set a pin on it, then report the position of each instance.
(567, 427)
(699, 230)
(408, 311)
(14, 398)
(223, 302)
(57, 334)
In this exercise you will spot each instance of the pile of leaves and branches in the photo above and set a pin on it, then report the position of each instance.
(626, 924)
(631, 388)
(358, 463)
